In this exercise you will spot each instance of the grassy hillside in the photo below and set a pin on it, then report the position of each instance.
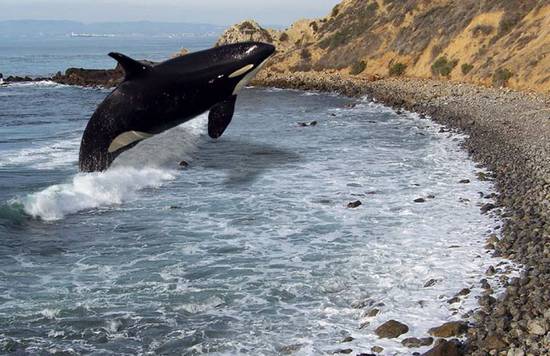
(491, 42)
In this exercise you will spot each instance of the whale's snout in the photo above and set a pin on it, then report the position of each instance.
(267, 49)
(256, 52)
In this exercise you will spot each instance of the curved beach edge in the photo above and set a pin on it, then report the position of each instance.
(508, 133)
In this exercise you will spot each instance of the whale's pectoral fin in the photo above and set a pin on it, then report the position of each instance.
(220, 116)
(132, 68)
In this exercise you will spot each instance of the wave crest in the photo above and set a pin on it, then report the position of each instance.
(88, 191)
(148, 165)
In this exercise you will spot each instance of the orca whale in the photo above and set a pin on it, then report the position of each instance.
(156, 97)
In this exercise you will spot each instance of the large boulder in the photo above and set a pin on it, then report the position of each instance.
(248, 30)
(391, 329)
(445, 348)
(452, 328)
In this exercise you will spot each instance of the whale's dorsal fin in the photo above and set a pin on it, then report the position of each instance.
(132, 68)
(220, 116)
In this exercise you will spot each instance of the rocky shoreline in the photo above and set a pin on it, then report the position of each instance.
(509, 133)
(95, 78)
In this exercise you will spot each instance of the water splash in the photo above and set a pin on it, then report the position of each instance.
(149, 165)
(88, 191)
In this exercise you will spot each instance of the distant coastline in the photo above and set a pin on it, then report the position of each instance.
(43, 28)
(73, 34)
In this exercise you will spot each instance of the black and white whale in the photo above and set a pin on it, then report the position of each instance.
(155, 98)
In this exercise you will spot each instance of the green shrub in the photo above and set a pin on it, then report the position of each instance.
(358, 67)
(442, 66)
(397, 69)
(501, 77)
(466, 68)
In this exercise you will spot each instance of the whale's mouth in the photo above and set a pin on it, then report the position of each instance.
(248, 77)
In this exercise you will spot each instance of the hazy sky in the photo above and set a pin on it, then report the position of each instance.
(221, 12)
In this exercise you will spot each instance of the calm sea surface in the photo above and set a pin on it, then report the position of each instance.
(249, 250)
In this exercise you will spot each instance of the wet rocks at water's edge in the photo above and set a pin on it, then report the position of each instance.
(414, 342)
(19, 79)
(90, 77)
(105, 78)
(391, 329)
(450, 329)
(446, 348)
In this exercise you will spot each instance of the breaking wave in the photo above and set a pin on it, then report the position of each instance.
(150, 164)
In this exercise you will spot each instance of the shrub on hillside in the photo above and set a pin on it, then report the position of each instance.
(508, 22)
(501, 77)
(442, 66)
(284, 37)
(372, 7)
(358, 67)
(247, 25)
(482, 30)
(305, 54)
(436, 50)
(335, 11)
(338, 39)
(466, 68)
(397, 69)
(314, 26)
(302, 67)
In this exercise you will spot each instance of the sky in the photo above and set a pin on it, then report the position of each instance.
(219, 12)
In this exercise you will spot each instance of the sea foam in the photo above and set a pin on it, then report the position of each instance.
(149, 165)
(87, 191)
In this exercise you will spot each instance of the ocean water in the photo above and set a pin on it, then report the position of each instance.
(251, 249)
(36, 56)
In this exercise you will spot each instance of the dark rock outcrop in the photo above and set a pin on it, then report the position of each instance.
(354, 204)
(90, 77)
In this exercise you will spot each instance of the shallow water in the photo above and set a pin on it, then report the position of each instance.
(249, 250)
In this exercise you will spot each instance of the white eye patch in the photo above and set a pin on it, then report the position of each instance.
(127, 138)
(241, 71)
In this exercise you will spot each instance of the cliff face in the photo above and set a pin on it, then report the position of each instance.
(490, 42)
